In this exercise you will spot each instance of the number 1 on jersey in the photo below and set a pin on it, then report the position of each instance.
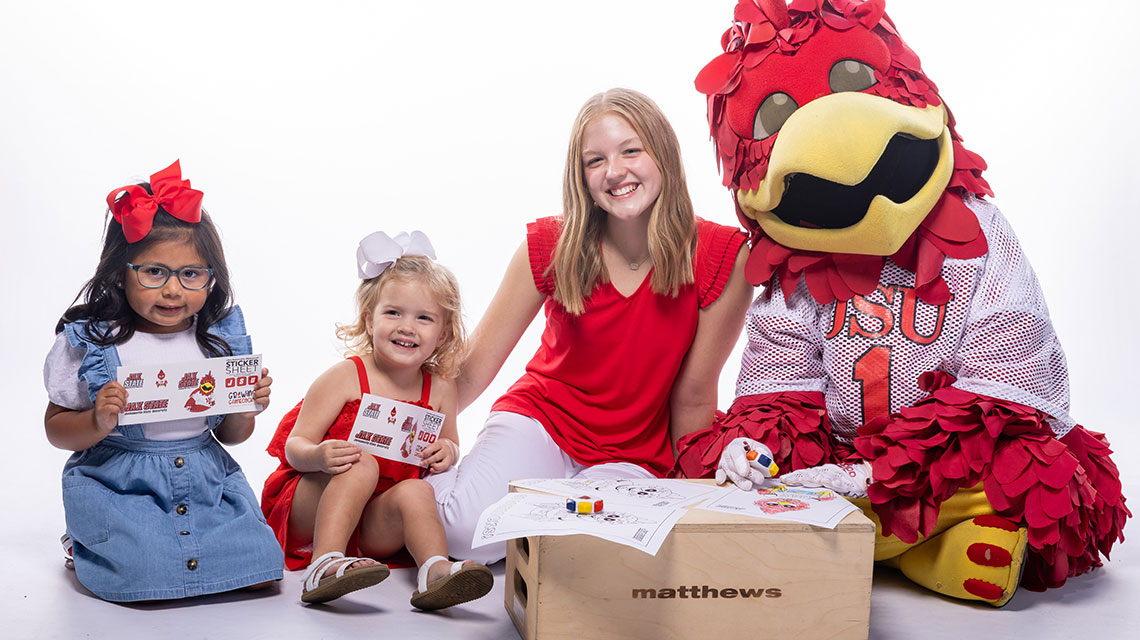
(873, 373)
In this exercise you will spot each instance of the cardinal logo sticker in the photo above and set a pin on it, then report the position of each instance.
(406, 449)
(204, 393)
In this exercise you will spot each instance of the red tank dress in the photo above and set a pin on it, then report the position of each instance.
(277, 496)
(600, 382)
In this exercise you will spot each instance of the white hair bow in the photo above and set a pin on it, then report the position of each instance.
(377, 251)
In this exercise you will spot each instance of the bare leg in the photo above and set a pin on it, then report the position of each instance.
(259, 586)
(326, 508)
(405, 515)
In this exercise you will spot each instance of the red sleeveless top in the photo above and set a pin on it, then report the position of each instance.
(277, 495)
(600, 382)
(391, 471)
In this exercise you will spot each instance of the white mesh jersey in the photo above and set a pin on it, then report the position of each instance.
(866, 354)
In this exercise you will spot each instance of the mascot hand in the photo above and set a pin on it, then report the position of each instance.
(849, 479)
(745, 462)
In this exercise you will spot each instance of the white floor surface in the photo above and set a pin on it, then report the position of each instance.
(41, 599)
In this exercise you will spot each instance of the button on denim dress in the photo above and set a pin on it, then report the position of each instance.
(154, 520)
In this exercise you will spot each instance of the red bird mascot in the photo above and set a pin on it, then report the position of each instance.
(902, 351)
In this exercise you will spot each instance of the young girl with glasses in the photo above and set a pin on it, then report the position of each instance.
(160, 510)
(327, 496)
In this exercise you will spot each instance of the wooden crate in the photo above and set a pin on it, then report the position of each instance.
(718, 575)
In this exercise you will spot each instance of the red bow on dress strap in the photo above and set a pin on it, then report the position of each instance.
(136, 208)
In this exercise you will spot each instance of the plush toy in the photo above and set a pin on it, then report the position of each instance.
(902, 350)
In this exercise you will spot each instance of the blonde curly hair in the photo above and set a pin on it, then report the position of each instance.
(452, 347)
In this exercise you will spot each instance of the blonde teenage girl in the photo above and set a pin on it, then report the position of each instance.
(643, 302)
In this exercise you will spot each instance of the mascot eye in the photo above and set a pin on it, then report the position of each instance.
(850, 75)
(772, 114)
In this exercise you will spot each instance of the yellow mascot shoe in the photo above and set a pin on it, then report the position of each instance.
(979, 559)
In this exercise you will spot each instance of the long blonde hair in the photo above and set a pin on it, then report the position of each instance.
(452, 347)
(577, 263)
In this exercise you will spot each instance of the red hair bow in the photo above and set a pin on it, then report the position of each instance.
(136, 208)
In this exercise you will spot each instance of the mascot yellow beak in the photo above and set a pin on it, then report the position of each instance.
(833, 180)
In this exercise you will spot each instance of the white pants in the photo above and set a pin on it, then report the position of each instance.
(510, 447)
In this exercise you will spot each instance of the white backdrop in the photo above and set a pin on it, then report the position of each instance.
(309, 125)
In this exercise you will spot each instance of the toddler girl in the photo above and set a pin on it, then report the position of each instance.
(328, 496)
(160, 510)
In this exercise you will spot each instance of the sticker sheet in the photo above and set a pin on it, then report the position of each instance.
(174, 391)
(819, 507)
(394, 430)
(519, 515)
(670, 494)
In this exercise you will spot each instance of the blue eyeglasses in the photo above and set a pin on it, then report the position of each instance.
(154, 276)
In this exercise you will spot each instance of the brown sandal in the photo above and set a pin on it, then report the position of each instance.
(466, 582)
(345, 580)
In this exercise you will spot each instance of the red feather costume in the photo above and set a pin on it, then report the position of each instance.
(901, 325)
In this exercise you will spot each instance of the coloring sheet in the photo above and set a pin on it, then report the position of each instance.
(173, 391)
(819, 507)
(394, 430)
(519, 515)
(669, 494)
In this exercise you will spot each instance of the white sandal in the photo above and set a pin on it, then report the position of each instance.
(65, 541)
(464, 583)
(345, 580)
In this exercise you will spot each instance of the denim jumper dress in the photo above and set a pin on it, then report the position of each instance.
(152, 519)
